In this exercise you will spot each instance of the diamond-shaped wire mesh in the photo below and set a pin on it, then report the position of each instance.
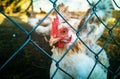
(93, 12)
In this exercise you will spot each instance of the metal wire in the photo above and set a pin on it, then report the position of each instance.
(29, 39)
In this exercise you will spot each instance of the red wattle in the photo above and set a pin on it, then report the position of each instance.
(60, 44)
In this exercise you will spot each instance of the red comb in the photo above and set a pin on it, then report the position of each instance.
(54, 26)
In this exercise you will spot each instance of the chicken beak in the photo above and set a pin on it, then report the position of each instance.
(52, 41)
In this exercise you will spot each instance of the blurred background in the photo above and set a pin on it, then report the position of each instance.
(31, 63)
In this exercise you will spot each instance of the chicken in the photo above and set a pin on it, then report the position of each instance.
(43, 28)
(76, 62)
(72, 59)
(101, 13)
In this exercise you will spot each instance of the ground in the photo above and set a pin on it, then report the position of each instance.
(30, 62)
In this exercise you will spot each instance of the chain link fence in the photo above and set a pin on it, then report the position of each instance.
(115, 74)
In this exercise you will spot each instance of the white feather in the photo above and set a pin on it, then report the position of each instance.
(40, 29)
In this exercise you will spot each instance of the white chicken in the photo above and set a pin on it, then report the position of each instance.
(75, 60)
(44, 28)
(78, 62)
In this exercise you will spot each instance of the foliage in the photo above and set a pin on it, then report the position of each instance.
(13, 6)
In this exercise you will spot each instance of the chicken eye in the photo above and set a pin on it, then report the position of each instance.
(64, 31)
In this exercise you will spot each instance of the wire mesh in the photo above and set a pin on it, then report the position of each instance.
(30, 40)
